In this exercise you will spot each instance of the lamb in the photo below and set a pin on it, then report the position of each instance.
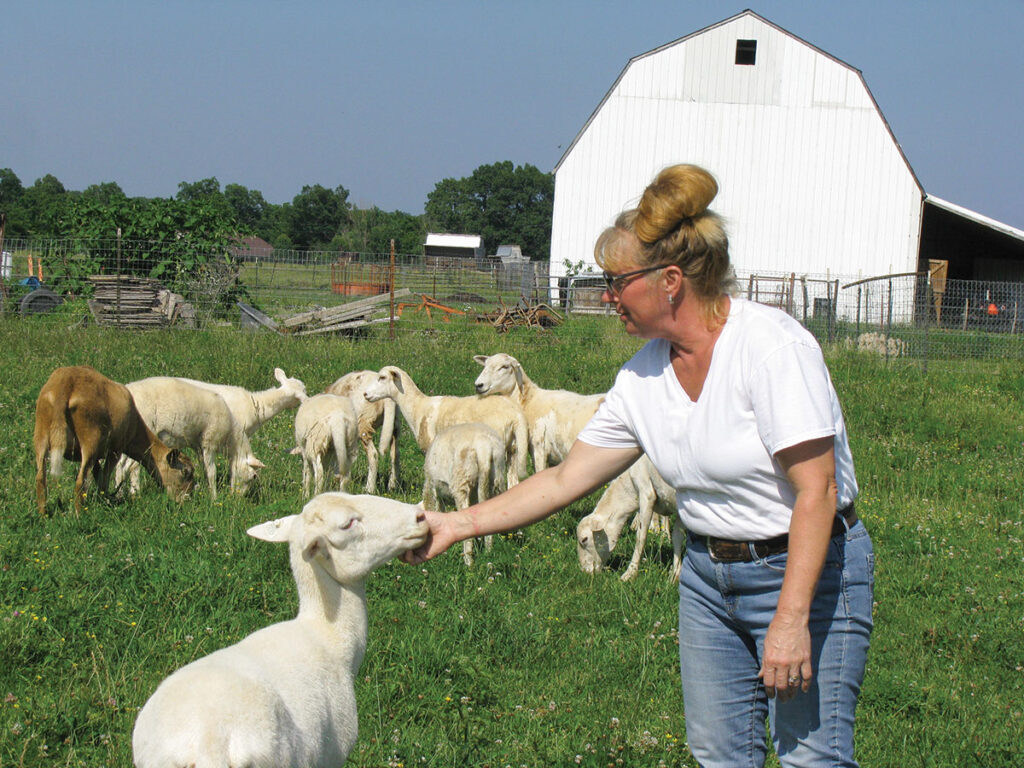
(554, 416)
(371, 417)
(81, 414)
(325, 427)
(638, 488)
(184, 415)
(465, 463)
(427, 415)
(252, 409)
(284, 696)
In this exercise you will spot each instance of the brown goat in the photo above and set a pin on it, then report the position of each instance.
(81, 414)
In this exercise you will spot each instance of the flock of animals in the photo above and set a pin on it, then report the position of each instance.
(284, 695)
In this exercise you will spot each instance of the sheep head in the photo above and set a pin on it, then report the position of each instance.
(293, 388)
(502, 375)
(592, 546)
(177, 474)
(389, 382)
(348, 536)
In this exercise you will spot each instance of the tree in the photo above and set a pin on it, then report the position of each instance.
(106, 193)
(317, 214)
(249, 206)
(372, 230)
(207, 191)
(44, 206)
(502, 203)
(11, 194)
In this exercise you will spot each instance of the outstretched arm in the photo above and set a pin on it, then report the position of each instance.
(586, 468)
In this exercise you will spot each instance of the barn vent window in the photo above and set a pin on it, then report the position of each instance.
(746, 51)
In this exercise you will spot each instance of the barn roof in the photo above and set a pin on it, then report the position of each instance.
(976, 217)
(731, 19)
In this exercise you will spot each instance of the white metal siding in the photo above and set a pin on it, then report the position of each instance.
(811, 180)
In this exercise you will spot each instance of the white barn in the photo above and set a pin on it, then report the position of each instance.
(811, 179)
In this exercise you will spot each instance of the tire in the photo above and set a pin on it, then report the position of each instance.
(40, 300)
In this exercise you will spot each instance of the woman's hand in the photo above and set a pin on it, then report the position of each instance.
(441, 536)
(786, 663)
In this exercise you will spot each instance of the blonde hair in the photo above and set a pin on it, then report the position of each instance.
(672, 225)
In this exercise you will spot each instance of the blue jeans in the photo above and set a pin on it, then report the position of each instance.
(724, 612)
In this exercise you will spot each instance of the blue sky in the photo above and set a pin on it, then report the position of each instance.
(387, 98)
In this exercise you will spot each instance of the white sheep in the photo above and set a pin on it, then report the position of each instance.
(325, 437)
(371, 416)
(554, 416)
(429, 414)
(184, 415)
(465, 464)
(284, 696)
(253, 409)
(639, 489)
(882, 345)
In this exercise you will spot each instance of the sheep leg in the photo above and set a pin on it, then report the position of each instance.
(647, 498)
(461, 496)
(678, 539)
(318, 474)
(42, 448)
(307, 474)
(483, 487)
(389, 438)
(210, 464)
(372, 460)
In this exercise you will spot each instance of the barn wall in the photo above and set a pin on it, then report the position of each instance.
(810, 177)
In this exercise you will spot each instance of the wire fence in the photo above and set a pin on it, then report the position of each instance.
(905, 316)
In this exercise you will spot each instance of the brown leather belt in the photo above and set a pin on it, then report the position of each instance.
(729, 551)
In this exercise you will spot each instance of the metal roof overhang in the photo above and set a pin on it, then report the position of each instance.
(975, 246)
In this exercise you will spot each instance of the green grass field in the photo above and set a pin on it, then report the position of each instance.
(521, 660)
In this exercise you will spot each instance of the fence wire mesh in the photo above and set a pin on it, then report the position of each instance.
(183, 284)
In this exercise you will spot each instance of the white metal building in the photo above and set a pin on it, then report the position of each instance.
(811, 179)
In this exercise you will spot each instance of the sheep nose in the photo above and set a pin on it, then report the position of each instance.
(421, 516)
(480, 389)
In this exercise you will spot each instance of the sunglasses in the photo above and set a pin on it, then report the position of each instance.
(617, 283)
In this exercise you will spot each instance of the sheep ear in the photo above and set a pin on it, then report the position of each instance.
(274, 530)
(255, 463)
(279, 375)
(482, 359)
(398, 381)
(296, 451)
(519, 374)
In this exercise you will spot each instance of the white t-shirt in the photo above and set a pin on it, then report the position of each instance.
(767, 389)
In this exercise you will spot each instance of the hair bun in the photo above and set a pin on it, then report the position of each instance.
(678, 193)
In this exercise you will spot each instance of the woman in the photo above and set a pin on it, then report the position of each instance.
(732, 402)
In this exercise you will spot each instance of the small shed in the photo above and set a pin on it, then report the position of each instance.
(451, 250)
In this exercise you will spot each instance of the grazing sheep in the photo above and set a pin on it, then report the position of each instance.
(81, 414)
(882, 345)
(465, 463)
(371, 416)
(554, 416)
(252, 409)
(284, 697)
(427, 415)
(325, 428)
(184, 415)
(638, 488)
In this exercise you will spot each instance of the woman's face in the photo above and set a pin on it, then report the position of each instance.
(639, 301)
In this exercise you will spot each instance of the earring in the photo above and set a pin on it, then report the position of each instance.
(670, 298)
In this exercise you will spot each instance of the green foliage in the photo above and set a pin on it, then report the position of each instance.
(502, 202)
(317, 214)
(521, 659)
